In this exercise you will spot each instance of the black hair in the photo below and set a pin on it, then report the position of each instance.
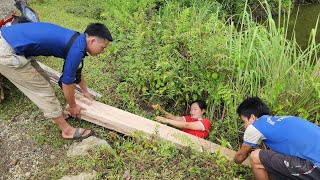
(253, 105)
(201, 104)
(99, 30)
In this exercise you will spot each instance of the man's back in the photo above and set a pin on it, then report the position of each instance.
(37, 38)
(291, 135)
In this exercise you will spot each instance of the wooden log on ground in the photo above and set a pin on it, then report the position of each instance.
(125, 123)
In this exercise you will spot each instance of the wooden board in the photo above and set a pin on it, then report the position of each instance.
(55, 76)
(125, 123)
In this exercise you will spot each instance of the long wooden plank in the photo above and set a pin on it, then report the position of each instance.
(125, 122)
(55, 76)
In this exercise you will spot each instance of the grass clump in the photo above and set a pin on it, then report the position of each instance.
(147, 158)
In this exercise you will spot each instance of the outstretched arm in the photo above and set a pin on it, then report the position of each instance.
(167, 114)
(181, 124)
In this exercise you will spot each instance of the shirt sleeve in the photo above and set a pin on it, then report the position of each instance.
(71, 65)
(187, 118)
(206, 125)
(252, 136)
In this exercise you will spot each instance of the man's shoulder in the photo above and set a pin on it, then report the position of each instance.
(251, 129)
(273, 120)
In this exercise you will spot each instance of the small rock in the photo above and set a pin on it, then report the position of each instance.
(14, 161)
(14, 138)
(78, 149)
(52, 156)
(28, 174)
(126, 175)
(81, 176)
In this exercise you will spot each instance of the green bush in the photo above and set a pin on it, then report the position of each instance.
(183, 52)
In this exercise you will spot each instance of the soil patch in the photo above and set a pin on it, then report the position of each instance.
(21, 156)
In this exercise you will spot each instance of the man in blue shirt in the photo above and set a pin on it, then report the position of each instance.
(21, 41)
(294, 143)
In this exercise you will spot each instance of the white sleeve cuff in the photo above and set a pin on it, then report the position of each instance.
(252, 135)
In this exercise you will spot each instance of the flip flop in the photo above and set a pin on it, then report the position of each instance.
(78, 136)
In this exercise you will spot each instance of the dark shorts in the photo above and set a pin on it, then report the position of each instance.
(281, 166)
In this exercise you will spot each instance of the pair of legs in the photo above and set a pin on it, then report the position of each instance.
(29, 77)
(265, 163)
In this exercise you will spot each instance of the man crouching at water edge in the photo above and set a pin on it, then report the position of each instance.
(294, 143)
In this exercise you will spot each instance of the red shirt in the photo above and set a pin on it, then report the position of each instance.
(202, 134)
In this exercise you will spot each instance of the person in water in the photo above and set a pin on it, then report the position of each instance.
(194, 124)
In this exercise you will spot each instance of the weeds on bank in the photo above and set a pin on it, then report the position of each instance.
(147, 158)
(172, 53)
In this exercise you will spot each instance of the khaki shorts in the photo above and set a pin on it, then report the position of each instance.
(28, 76)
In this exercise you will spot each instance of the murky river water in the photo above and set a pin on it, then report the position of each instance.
(304, 18)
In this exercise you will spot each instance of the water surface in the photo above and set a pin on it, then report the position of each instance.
(302, 20)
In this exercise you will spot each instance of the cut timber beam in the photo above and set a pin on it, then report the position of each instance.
(55, 76)
(125, 123)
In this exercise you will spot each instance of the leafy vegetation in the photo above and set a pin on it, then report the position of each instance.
(147, 159)
(172, 53)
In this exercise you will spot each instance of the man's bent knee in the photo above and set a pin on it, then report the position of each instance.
(254, 158)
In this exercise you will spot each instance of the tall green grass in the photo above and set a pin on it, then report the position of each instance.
(268, 65)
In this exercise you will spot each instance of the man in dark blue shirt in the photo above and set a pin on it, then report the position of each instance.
(21, 41)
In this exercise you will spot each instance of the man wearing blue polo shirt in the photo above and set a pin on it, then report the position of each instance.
(21, 41)
(294, 143)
